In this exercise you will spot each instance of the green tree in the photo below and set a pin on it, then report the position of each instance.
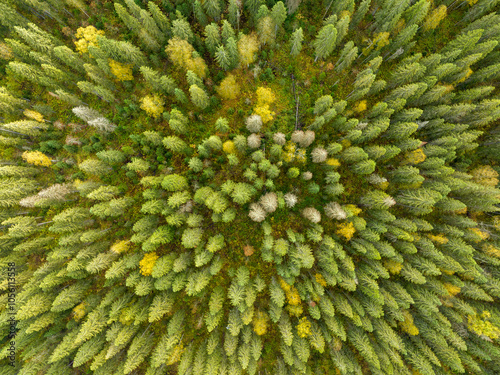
(199, 97)
(227, 31)
(347, 57)
(296, 41)
(181, 29)
(278, 14)
(212, 38)
(200, 13)
(223, 57)
(212, 8)
(325, 42)
(234, 15)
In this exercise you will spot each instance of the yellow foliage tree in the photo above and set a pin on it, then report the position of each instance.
(435, 17)
(491, 250)
(415, 157)
(481, 325)
(333, 162)
(392, 266)
(175, 354)
(264, 112)
(183, 55)
(320, 279)
(248, 45)
(304, 327)
(265, 98)
(440, 239)
(360, 106)
(292, 294)
(87, 36)
(228, 147)
(485, 175)
(346, 230)
(123, 72)
(79, 311)
(353, 209)
(228, 88)
(407, 325)
(147, 263)
(153, 105)
(260, 323)
(452, 289)
(466, 75)
(295, 310)
(480, 235)
(37, 158)
(37, 116)
(380, 40)
(120, 247)
(5, 52)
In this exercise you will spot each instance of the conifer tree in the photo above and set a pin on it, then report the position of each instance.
(223, 57)
(435, 17)
(181, 29)
(325, 42)
(347, 57)
(212, 38)
(198, 96)
(296, 41)
(278, 14)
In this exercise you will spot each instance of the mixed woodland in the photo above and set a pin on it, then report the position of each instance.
(249, 187)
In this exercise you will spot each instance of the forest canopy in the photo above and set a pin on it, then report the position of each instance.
(249, 187)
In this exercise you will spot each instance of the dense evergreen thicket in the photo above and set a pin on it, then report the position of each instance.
(250, 187)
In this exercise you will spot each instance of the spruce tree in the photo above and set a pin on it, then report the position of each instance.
(325, 42)
(296, 42)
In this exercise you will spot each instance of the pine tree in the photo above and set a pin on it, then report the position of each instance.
(227, 32)
(252, 7)
(404, 38)
(94, 166)
(262, 12)
(70, 58)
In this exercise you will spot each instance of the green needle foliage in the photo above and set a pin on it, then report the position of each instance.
(250, 187)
